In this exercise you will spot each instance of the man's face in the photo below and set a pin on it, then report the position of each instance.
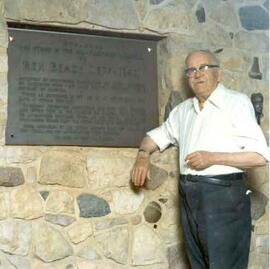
(202, 82)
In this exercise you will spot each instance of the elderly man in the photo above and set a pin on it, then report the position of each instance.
(218, 138)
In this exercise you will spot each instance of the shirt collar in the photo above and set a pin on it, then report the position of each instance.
(216, 98)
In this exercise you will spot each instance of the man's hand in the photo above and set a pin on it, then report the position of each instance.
(199, 159)
(140, 169)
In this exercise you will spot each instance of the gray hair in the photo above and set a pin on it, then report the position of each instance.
(213, 56)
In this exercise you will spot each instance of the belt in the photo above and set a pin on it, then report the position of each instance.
(222, 180)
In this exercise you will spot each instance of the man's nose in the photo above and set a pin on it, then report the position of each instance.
(198, 73)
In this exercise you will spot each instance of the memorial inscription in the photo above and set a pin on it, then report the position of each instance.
(75, 89)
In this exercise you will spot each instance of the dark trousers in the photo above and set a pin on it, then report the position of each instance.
(216, 223)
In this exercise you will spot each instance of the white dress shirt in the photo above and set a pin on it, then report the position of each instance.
(226, 123)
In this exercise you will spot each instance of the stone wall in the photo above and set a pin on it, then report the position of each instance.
(73, 207)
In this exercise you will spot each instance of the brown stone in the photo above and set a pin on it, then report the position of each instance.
(252, 42)
(258, 204)
(49, 244)
(114, 243)
(157, 177)
(4, 263)
(4, 205)
(11, 176)
(135, 220)
(60, 202)
(63, 168)
(15, 237)
(112, 167)
(147, 247)
(152, 212)
(31, 174)
(3, 34)
(80, 231)
(26, 203)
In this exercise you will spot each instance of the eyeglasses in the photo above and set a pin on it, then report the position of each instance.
(191, 71)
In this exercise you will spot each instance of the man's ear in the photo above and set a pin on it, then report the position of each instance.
(220, 74)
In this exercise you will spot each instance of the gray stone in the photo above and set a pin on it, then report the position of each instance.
(176, 257)
(222, 13)
(15, 237)
(62, 220)
(262, 244)
(255, 69)
(254, 18)
(157, 177)
(191, 3)
(92, 206)
(265, 69)
(266, 4)
(221, 38)
(11, 9)
(152, 212)
(156, 2)
(4, 263)
(252, 42)
(44, 194)
(11, 176)
(141, 8)
(66, 11)
(200, 14)
(114, 244)
(174, 99)
(49, 244)
(109, 223)
(19, 262)
(88, 252)
(174, 16)
(258, 204)
(113, 14)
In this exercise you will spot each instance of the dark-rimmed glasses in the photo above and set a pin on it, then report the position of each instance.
(191, 71)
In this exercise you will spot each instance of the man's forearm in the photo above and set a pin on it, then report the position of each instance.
(204, 159)
(141, 167)
(148, 146)
(238, 159)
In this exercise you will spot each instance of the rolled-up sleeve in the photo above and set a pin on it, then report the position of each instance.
(167, 133)
(249, 135)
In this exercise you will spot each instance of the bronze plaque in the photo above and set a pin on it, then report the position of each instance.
(79, 89)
